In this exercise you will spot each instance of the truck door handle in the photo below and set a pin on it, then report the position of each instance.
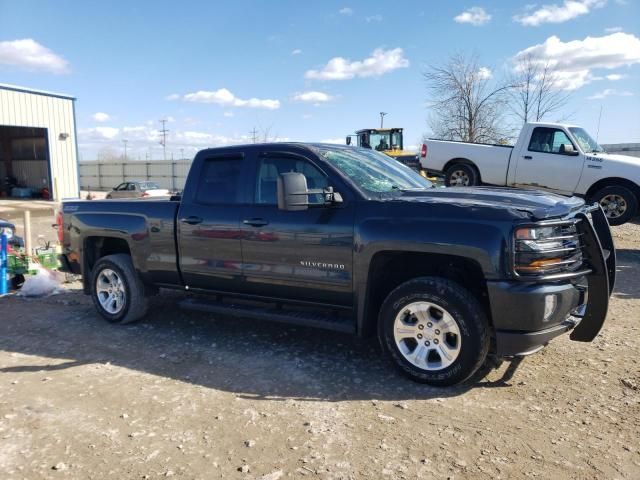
(256, 222)
(527, 157)
(191, 220)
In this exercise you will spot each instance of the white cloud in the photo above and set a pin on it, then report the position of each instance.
(312, 97)
(173, 96)
(98, 133)
(228, 114)
(143, 140)
(613, 29)
(296, 51)
(338, 141)
(101, 117)
(306, 116)
(574, 61)
(485, 73)
(615, 77)
(475, 16)
(374, 18)
(30, 55)
(380, 62)
(346, 11)
(608, 92)
(557, 13)
(225, 98)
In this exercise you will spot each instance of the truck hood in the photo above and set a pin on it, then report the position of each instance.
(537, 204)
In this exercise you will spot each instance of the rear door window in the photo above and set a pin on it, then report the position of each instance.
(219, 181)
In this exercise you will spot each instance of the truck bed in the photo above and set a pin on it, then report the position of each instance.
(148, 227)
(493, 158)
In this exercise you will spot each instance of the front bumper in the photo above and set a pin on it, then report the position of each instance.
(523, 318)
(522, 326)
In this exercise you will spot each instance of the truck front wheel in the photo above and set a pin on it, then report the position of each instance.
(619, 203)
(461, 175)
(434, 330)
(116, 289)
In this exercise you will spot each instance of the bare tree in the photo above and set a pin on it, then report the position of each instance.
(467, 103)
(263, 135)
(108, 153)
(536, 91)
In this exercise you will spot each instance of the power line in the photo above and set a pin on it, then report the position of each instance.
(163, 142)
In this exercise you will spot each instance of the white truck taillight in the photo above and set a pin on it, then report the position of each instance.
(423, 151)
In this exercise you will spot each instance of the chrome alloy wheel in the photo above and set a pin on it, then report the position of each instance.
(614, 206)
(459, 178)
(427, 336)
(110, 291)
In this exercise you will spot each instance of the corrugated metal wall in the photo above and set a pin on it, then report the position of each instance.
(28, 109)
(98, 176)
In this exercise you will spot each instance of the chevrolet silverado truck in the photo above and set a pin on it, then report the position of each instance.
(559, 158)
(348, 239)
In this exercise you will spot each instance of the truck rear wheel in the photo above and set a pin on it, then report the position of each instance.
(434, 330)
(117, 291)
(619, 203)
(461, 175)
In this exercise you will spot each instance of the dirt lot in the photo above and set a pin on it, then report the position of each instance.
(188, 396)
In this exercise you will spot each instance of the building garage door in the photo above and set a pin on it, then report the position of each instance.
(24, 163)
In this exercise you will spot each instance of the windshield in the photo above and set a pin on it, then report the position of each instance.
(149, 186)
(373, 172)
(587, 144)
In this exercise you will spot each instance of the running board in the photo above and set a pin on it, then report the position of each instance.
(329, 320)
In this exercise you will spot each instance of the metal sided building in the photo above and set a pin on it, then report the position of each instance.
(38, 144)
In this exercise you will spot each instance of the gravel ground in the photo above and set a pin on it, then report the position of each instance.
(183, 395)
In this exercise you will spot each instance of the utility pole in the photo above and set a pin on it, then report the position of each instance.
(182, 154)
(163, 142)
(125, 149)
(254, 135)
(382, 114)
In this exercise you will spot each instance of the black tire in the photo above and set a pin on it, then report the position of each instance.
(135, 303)
(17, 281)
(611, 192)
(108, 197)
(458, 172)
(465, 310)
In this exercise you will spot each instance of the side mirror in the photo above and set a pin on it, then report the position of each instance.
(293, 194)
(567, 149)
(348, 140)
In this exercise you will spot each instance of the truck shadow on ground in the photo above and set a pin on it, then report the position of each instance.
(627, 274)
(257, 360)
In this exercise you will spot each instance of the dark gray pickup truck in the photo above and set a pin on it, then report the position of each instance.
(347, 239)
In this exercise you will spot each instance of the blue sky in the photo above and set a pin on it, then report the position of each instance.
(217, 70)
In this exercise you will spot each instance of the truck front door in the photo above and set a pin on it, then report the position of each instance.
(546, 162)
(302, 255)
(210, 252)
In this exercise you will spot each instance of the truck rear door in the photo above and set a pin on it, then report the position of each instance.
(544, 161)
(208, 225)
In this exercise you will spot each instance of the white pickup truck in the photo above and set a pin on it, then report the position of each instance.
(560, 158)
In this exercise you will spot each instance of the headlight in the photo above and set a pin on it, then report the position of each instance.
(547, 249)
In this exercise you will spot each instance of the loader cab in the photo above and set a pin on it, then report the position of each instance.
(383, 140)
